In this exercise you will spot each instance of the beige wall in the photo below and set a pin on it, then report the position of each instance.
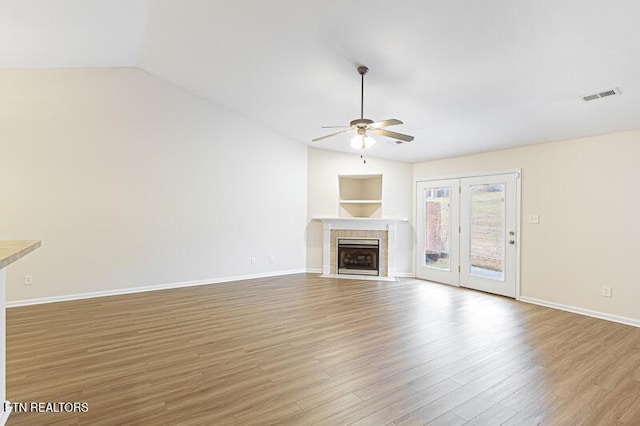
(323, 196)
(586, 193)
(130, 181)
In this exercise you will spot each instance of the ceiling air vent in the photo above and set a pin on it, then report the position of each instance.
(599, 95)
(607, 93)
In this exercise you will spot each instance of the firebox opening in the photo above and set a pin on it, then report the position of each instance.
(358, 256)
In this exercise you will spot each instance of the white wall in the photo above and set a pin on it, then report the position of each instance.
(130, 181)
(586, 193)
(323, 196)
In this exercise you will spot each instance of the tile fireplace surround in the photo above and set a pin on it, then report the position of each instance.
(379, 228)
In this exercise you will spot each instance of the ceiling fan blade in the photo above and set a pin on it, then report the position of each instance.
(331, 135)
(394, 135)
(385, 123)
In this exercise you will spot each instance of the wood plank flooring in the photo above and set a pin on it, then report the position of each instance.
(301, 350)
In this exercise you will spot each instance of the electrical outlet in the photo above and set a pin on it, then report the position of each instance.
(28, 279)
(533, 219)
(272, 259)
(253, 260)
(606, 291)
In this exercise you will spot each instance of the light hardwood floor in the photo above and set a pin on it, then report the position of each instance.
(301, 349)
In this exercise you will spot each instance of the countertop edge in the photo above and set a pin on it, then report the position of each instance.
(23, 249)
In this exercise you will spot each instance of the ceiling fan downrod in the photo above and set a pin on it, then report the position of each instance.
(362, 70)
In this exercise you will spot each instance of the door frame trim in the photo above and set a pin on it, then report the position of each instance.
(517, 172)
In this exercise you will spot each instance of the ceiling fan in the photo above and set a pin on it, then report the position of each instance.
(363, 125)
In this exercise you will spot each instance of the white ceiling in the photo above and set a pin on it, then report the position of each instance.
(71, 33)
(465, 76)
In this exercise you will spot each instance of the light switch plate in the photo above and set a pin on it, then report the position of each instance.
(534, 219)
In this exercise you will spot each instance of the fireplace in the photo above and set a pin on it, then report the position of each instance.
(381, 230)
(358, 256)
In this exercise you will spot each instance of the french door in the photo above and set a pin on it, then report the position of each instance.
(467, 232)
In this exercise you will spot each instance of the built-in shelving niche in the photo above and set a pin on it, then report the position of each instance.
(360, 195)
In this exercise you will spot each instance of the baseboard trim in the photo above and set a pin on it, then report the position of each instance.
(582, 311)
(131, 290)
(314, 270)
(405, 275)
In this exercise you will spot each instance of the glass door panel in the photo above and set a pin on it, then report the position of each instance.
(437, 231)
(487, 231)
(437, 228)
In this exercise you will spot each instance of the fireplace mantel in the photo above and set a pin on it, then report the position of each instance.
(360, 225)
(366, 223)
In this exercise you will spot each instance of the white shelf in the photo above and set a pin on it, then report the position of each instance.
(360, 201)
(360, 195)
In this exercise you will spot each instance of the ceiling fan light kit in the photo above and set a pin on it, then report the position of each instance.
(362, 140)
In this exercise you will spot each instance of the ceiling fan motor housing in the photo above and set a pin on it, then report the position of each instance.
(360, 123)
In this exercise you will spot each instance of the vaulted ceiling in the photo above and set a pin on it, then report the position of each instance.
(465, 76)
